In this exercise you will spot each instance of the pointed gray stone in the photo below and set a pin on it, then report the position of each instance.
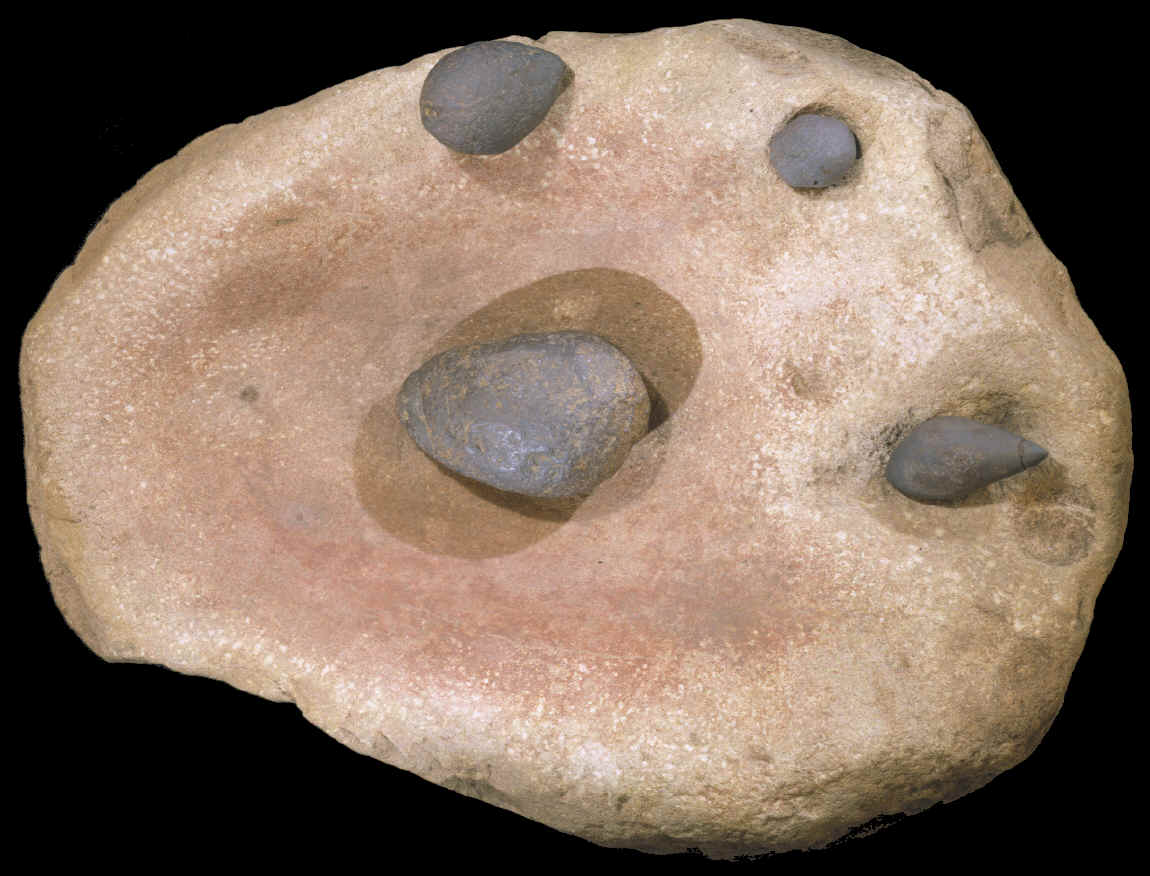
(1031, 454)
(946, 458)
(546, 415)
(814, 151)
(484, 98)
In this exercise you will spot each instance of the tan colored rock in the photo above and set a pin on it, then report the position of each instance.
(746, 640)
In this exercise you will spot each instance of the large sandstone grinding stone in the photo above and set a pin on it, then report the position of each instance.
(745, 640)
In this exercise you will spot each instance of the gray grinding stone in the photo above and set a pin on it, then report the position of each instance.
(946, 458)
(484, 98)
(814, 151)
(546, 415)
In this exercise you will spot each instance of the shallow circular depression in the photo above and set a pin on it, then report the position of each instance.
(430, 507)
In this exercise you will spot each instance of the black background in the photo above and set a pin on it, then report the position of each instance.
(130, 761)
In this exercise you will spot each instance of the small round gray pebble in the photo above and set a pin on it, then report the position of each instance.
(947, 458)
(484, 98)
(549, 415)
(813, 152)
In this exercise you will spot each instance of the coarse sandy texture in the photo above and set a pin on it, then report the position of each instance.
(744, 641)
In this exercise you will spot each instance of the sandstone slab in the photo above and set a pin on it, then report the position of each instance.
(746, 640)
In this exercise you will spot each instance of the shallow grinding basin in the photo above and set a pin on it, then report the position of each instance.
(746, 640)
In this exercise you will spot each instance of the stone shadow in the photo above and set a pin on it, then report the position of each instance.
(421, 502)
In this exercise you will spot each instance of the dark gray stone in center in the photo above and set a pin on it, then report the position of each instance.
(549, 415)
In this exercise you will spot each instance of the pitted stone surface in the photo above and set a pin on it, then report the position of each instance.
(746, 639)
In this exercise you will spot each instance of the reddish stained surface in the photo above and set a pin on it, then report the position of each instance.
(623, 583)
(648, 569)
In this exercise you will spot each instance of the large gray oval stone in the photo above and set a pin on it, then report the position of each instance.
(547, 415)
